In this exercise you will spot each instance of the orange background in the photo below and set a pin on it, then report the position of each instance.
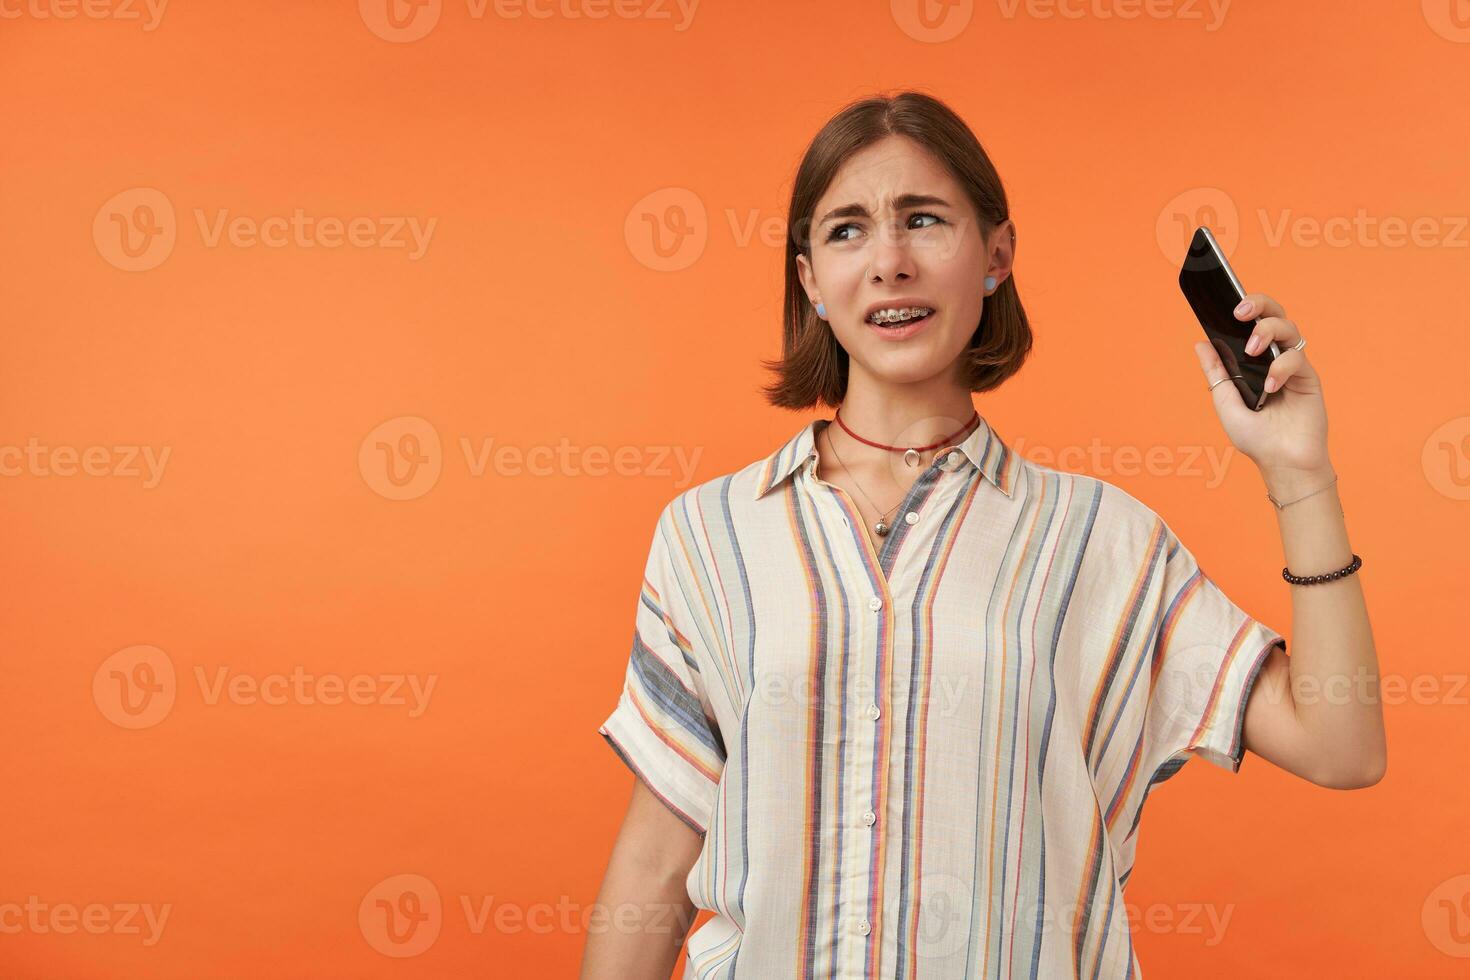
(539, 313)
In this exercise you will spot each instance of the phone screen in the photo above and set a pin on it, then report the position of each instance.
(1214, 293)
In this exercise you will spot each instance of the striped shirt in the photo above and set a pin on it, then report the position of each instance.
(926, 759)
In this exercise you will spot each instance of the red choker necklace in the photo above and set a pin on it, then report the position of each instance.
(911, 453)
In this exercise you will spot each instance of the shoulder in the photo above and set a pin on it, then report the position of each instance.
(707, 514)
(728, 494)
(1115, 516)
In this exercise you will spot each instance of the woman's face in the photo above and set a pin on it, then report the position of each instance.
(895, 230)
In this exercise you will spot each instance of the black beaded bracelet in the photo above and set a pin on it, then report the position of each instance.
(1347, 569)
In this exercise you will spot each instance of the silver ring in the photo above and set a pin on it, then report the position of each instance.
(1299, 345)
(1223, 380)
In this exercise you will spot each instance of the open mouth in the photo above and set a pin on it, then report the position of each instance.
(897, 319)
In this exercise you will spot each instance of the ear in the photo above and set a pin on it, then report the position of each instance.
(1001, 251)
(808, 279)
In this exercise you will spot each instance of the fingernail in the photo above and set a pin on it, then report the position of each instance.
(1271, 385)
(1252, 344)
(1244, 308)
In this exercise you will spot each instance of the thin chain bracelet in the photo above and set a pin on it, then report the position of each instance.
(1342, 572)
(1280, 505)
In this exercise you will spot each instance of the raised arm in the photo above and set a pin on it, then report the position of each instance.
(1315, 712)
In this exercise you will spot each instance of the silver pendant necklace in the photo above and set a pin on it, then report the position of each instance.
(882, 527)
(912, 455)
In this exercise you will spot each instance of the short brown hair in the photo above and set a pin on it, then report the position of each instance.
(813, 366)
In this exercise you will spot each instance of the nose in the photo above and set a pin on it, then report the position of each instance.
(890, 258)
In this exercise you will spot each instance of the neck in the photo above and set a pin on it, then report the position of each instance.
(914, 414)
(903, 414)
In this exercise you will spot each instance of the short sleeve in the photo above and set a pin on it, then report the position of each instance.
(1207, 653)
(663, 727)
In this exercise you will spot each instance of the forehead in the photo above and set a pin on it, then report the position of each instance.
(892, 166)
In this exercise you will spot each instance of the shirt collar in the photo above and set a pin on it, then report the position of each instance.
(983, 448)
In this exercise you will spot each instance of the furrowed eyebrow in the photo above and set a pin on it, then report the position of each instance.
(904, 202)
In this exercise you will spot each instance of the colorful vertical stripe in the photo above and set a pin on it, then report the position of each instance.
(923, 755)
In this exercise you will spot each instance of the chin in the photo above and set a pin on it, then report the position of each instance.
(903, 369)
(919, 362)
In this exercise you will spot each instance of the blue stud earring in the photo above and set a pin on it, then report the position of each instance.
(822, 311)
(989, 283)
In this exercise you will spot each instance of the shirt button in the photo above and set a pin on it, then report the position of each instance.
(870, 818)
(952, 460)
(873, 712)
(875, 603)
(865, 927)
(912, 517)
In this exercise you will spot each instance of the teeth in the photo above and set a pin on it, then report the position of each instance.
(898, 315)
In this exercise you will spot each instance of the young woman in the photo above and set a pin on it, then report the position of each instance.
(897, 695)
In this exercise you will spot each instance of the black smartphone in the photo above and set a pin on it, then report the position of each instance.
(1213, 293)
